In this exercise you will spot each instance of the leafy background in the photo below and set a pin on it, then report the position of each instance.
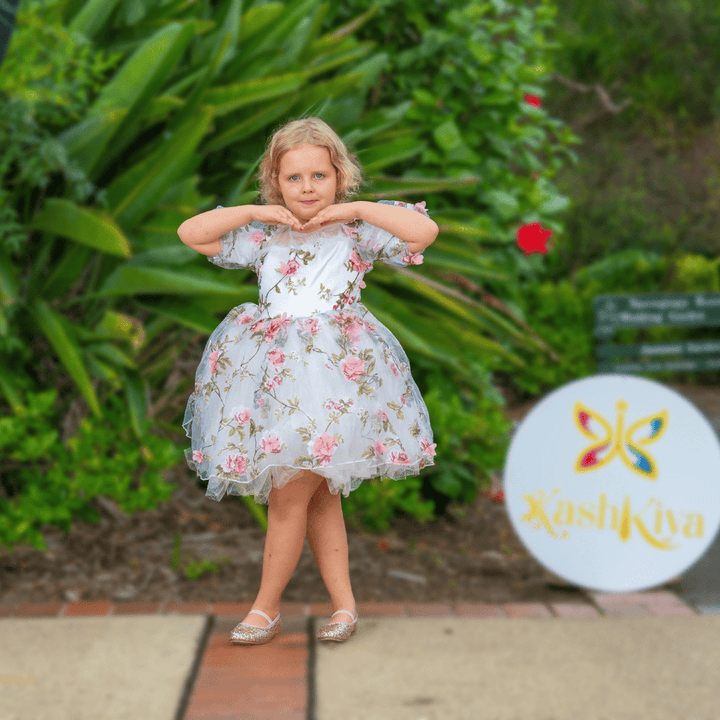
(121, 119)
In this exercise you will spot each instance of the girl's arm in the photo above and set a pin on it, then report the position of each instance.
(203, 232)
(417, 230)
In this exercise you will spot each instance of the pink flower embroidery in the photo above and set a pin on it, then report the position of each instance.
(271, 444)
(361, 284)
(275, 325)
(400, 458)
(277, 358)
(241, 415)
(245, 318)
(393, 367)
(214, 361)
(357, 263)
(427, 447)
(352, 367)
(381, 414)
(421, 207)
(235, 464)
(412, 258)
(354, 329)
(328, 366)
(197, 456)
(350, 232)
(256, 237)
(380, 447)
(311, 325)
(260, 402)
(289, 268)
(403, 400)
(259, 325)
(323, 448)
(350, 324)
(277, 380)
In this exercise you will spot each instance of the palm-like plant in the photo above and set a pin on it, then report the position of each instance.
(189, 91)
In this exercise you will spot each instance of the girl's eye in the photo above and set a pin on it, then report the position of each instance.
(317, 173)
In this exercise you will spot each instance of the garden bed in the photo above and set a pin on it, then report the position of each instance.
(472, 554)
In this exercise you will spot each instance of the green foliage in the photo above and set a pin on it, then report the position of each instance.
(51, 68)
(696, 273)
(374, 503)
(125, 113)
(649, 173)
(471, 436)
(54, 482)
(666, 53)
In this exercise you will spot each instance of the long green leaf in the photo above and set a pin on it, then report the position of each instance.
(527, 339)
(86, 226)
(8, 281)
(136, 401)
(260, 118)
(112, 353)
(258, 18)
(135, 193)
(385, 187)
(229, 98)
(200, 87)
(8, 385)
(390, 153)
(130, 280)
(91, 18)
(187, 314)
(131, 89)
(53, 326)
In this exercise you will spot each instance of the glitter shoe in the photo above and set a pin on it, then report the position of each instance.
(338, 631)
(244, 634)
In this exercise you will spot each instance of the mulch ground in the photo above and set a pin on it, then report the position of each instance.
(471, 554)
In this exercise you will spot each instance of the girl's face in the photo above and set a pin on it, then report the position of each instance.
(307, 174)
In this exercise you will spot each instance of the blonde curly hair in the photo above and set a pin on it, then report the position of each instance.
(307, 131)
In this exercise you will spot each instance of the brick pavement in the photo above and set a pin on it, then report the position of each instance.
(276, 679)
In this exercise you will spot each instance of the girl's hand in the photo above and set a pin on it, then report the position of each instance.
(275, 215)
(343, 212)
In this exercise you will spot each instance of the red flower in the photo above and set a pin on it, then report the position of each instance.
(533, 238)
(533, 100)
(499, 496)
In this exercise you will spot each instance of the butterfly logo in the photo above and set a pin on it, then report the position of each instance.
(619, 442)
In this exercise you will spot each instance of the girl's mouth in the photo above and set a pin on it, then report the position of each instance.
(308, 202)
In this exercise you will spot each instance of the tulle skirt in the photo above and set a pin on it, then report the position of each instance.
(331, 393)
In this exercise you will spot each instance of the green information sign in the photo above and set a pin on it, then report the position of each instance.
(613, 312)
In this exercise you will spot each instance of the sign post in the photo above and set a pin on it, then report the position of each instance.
(613, 312)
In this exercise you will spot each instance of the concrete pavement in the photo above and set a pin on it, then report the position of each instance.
(617, 656)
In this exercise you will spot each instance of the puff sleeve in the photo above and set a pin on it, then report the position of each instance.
(373, 244)
(240, 248)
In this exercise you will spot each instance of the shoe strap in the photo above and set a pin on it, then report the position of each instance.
(342, 611)
(260, 612)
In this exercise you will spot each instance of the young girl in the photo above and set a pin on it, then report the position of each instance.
(306, 394)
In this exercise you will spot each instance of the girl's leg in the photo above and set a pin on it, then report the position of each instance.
(328, 541)
(287, 526)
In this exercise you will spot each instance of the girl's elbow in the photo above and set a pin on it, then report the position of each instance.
(432, 235)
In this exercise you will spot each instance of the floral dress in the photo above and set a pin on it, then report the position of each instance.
(308, 378)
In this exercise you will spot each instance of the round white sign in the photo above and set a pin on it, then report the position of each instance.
(613, 483)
